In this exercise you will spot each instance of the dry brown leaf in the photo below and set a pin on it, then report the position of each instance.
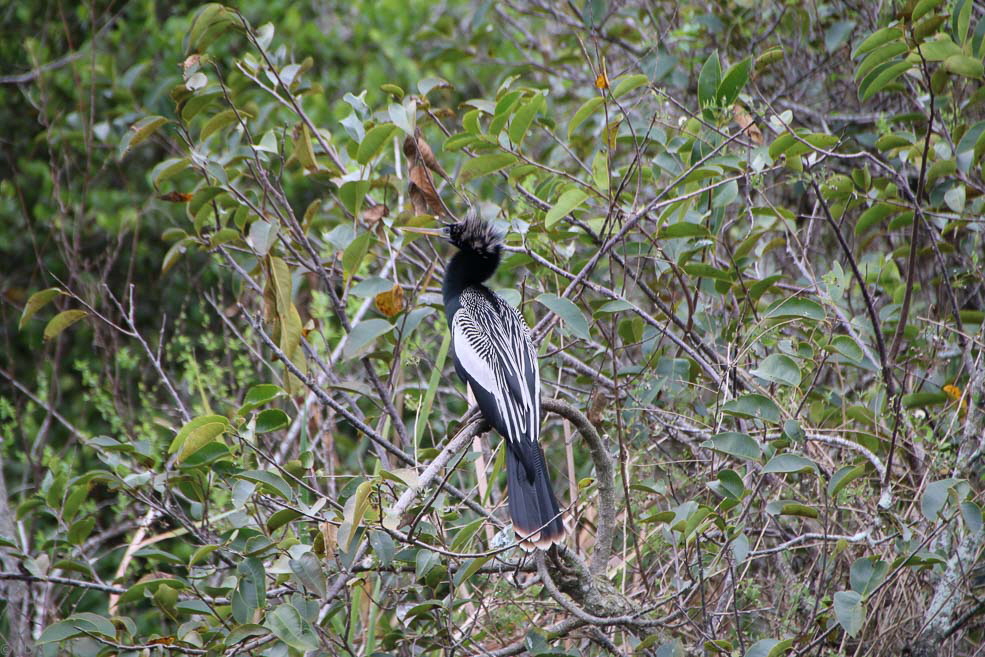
(602, 81)
(417, 149)
(597, 403)
(374, 213)
(423, 196)
(747, 124)
(391, 302)
(176, 197)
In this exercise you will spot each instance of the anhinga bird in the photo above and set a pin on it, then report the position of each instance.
(497, 360)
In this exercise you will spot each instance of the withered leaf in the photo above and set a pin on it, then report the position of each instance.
(416, 149)
(391, 302)
(373, 214)
(176, 197)
(597, 403)
(747, 124)
(423, 196)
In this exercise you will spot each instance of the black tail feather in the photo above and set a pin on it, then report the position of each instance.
(533, 508)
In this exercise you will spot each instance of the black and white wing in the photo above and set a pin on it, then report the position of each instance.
(496, 356)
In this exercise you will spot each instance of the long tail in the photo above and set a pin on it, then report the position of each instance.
(533, 507)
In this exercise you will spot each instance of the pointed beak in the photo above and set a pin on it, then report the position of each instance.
(433, 232)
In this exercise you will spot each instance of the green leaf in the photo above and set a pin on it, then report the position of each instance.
(613, 306)
(572, 316)
(168, 169)
(779, 368)
(753, 406)
(243, 632)
(735, 444)
(708, 81)
(485, 164)
(795, 307)
(272, 482)
(355, 253)
(374, 141)
(867, 573)
(258, 396)
(843, 477)
(879, 56)
(524, 117)
(924, 399)
(262, 236)
(424, 413)
(429, 84)
(465, 534)
(201, 436)
(404, 116)
(935, 497)
(271, 419)
(289, 626)
(788, 508)
(218, 122)
(961, 20)
(733, 82)
(879, 37)
(880, 77)
(190, 426)
(837, 34)
(847, 347)
(922, 8)
(351, 194)
(704, 270)
(471, 567)
(940, 49)
(628, 83)
(567, 202)
(872, 216)
(140, 132)
(788, 462)
(966, 66)
(352, 514)
(587, 109)
(80, 530)
(304, 150)
(769, 648)
(971, 513)
(683, 229)
(363, 334)
(36, 302)
(849, 611)
(308, 569)
(77, 625)
(62, 321)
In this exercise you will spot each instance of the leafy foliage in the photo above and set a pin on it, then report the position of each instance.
(748, 238)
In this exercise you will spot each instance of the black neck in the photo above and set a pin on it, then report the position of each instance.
(469, 268)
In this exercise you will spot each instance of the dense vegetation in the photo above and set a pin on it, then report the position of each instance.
(749, 238)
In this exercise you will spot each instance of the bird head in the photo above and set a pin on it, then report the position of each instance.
(473, 234)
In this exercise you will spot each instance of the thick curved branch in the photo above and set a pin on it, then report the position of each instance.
(604, 477)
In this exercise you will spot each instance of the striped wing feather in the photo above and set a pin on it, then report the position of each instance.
(495, 353)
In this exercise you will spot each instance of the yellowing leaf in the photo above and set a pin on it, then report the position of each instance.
(62, 321)
(304, 151)
(391, 302)
(37, 301)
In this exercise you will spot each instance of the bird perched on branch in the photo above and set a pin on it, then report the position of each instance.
(497, 360)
